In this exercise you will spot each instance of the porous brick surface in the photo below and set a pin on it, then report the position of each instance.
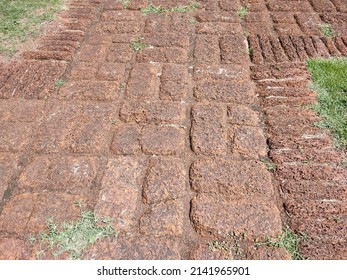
(169, 141)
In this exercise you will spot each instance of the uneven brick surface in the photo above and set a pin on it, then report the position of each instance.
(169, 141)
(310, 173)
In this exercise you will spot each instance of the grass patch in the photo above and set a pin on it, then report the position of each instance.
(288, 240)
(138, 44)
(242, 12)
(20, 19)
(59, 83)
(73, 237)
(269, 164)
(151, 9)
(125, 3)
(327, 30)
(329, 81)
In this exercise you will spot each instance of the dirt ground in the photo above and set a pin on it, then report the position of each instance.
(170, 141)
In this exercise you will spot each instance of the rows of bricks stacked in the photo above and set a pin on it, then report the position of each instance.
(310, 176)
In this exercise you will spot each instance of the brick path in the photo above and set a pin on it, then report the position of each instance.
(167, 140)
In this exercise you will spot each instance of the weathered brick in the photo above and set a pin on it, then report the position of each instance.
(119, 52)
(11, 248)
(207, 50)
(139, 247)
(144, 82)
(233, 49)
(163, 140)
(164, 55)
(84, 71)
(224, 92)
(174, 82)
(248, 142)
(166, 180)
(90, 90)
(218, 28)
(29, 212)
(242, 115)
(163, 219)
(126, 140)
(91, 53)
(76, 175)
(235, 179)
(153, 112)
(217, 214)
(209, 132)
(120, 195)
(77, 127)
(111, 72)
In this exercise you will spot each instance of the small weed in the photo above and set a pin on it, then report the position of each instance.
(138, 45)
(114, 122)
(193, 21)
(218, 245)
(327, 30)
(243, 11)
(125, 3)
(269, 164)
(249, 51)
(288, 240)
(59, 83)
(73, 237)
(151, 9)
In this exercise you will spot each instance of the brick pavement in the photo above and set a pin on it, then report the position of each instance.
(167, 141)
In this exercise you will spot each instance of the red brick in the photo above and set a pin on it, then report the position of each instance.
(207, 50)
(120, 195)
(76, 175)
(248, 142)
(174, 82)
(153, 112)
(164, 55)
(209, 133)
(234, 179)
(126, 140)
(166, 180)
(11, 249)
(91, 53)
(163, 140)
(163, 219)
(216, 214)
(144, 82)
(90, 90)
(233, 49)
(29, 212)
(119, 52)
(224, 92)
(242, 115)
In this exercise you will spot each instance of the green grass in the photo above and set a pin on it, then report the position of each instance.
(151, 9)
(138, 44)
(329, 81)
(269, 164)
(327, 30)
(73, 237)
(288, 240)
(243, 11)
(20, 19)
(59, 83)
(125, 3)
